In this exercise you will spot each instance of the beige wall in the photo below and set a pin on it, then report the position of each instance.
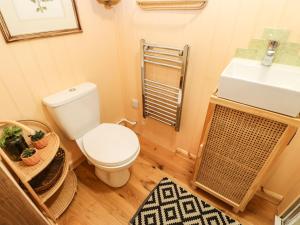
(213, 34)
(33, 69)
(107, 53)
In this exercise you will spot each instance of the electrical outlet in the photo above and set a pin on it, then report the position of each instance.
(134, 103)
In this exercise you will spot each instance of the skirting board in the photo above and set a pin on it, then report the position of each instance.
(270, 196)
(185, 153)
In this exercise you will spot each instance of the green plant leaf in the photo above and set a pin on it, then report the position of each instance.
(28, 152)
(38, 135)
(13, 131)
(2, 142)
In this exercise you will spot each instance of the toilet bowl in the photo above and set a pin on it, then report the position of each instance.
(111, 148)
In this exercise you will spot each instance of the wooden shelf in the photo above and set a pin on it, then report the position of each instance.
(26, 173)
(46, 195)
(171, 4)
(55, 200)
(60, 201)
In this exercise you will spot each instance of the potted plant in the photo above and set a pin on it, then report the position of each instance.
(39, 140)
(13, 142)
(30, 156)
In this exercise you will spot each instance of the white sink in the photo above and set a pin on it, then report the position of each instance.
(275, 88)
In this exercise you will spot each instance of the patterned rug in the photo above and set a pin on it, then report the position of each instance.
(170, 204)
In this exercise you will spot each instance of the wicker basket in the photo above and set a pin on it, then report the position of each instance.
(48, 177)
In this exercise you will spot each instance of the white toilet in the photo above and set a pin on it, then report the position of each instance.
(111, 148)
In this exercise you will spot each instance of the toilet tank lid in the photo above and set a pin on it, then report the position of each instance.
(69, 95)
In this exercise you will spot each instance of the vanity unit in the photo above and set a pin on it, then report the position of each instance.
(246, 129)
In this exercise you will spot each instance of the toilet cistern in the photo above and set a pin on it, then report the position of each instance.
(270, 53)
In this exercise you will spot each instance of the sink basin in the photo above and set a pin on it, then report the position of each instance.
(275, 88)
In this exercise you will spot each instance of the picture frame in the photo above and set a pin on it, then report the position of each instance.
(29, 19)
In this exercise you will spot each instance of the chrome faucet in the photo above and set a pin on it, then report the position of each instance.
(270, 54)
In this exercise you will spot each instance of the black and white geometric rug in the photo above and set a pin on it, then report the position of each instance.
(170, 204)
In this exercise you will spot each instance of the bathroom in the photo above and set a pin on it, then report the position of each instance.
(106, 51)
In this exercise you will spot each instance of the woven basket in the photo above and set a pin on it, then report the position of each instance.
(48, 177)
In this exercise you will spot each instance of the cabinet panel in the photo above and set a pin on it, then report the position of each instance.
(237, 148)
(11, 198)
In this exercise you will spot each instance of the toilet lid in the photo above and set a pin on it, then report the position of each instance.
(111, 144)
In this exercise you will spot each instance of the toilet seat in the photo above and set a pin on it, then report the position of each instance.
(111, 145)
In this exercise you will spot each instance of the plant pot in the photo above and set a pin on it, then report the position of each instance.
(14, 147)
(42, 143)
(32, 160)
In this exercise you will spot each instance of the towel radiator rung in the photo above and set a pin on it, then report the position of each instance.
(162, 58)
(161, 88)
(158, 114)
(160, 93)
(162, 64)
(161, 118)
(171, 124)
(162, 101)
(149, 107)
(160, 98)
(161, 84)
(147, 102)
(163, 53)
(159, 46)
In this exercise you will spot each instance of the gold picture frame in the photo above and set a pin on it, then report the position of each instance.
(9, 37)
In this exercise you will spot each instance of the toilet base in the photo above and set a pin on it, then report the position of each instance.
(115, 178)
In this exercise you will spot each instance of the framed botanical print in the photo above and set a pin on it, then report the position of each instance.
(27, 19)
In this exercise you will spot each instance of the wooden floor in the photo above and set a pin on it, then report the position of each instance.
(95, 203)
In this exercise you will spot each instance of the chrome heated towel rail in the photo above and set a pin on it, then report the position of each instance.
(162, 101)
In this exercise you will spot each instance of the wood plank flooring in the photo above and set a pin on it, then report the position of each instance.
(95, 203)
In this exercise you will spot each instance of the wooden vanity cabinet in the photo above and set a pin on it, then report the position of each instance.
(238, 145)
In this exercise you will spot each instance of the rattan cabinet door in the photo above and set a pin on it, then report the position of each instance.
(237, 145)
